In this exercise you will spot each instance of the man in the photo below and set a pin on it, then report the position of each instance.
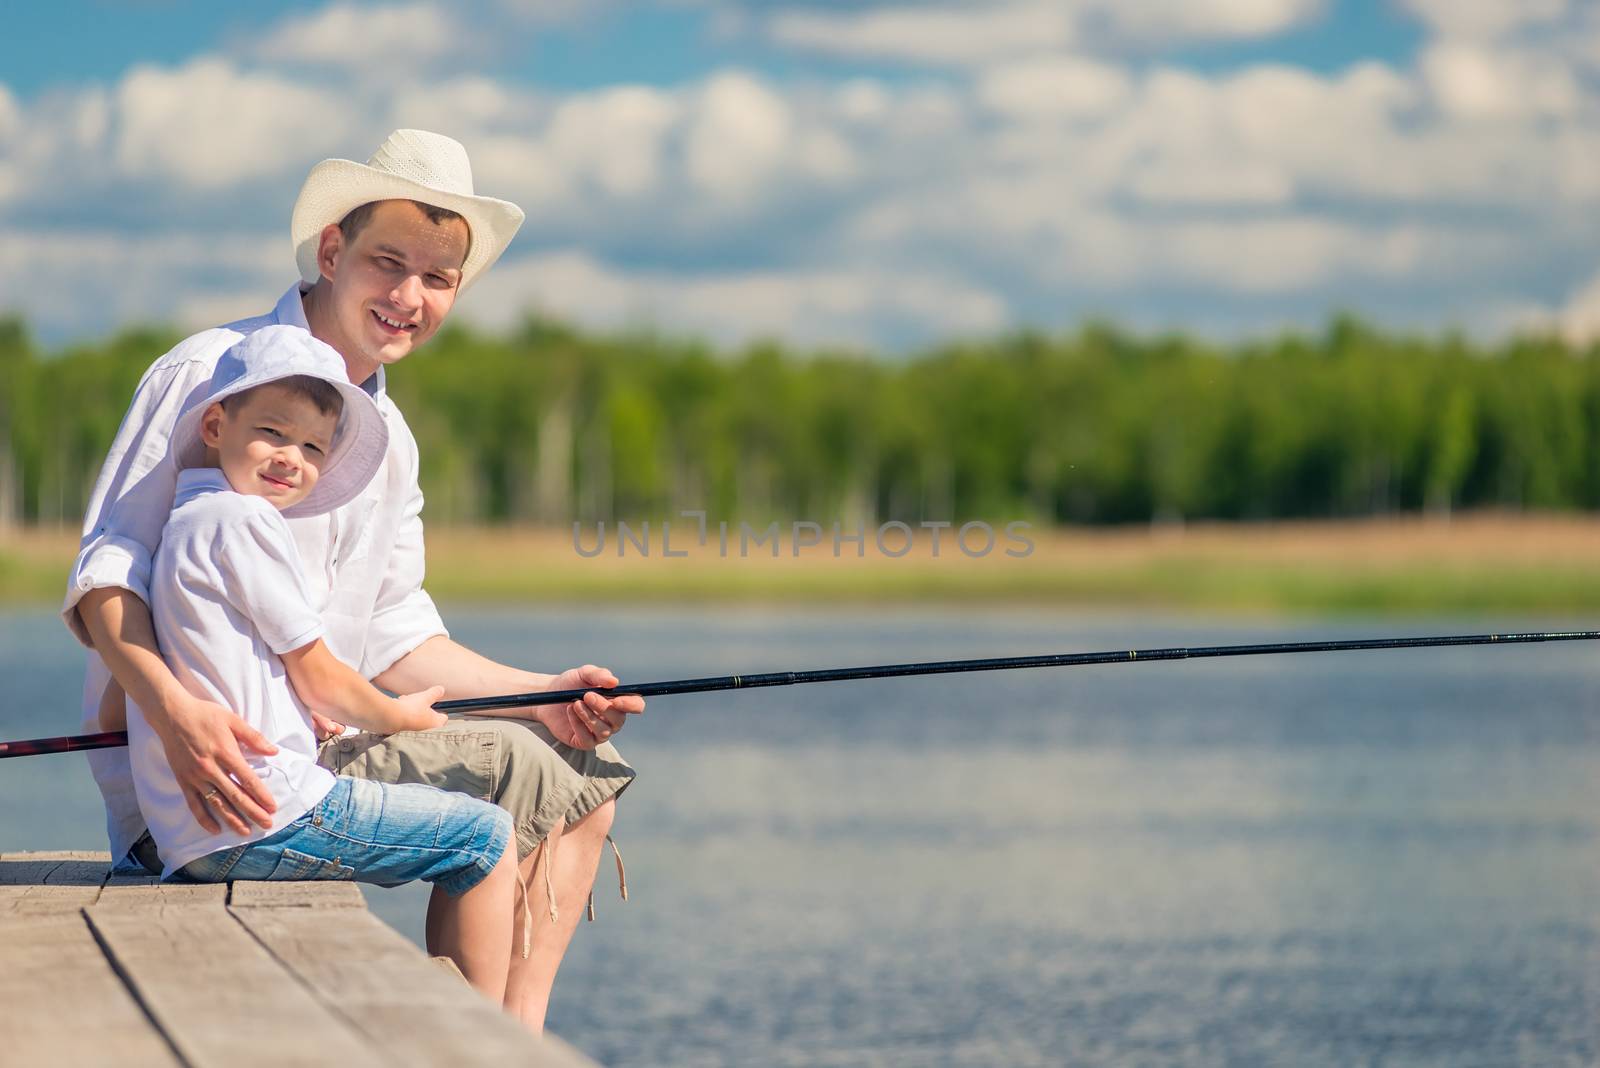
(383, 250)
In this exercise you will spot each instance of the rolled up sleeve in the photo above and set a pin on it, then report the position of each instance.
(106, 560)
(133, 493)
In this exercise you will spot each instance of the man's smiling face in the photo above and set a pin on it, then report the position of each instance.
(393, 282)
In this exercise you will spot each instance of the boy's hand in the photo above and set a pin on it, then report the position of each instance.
(416, 710)
(324, 727)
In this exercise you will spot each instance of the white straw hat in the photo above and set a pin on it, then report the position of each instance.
(360, 440)
(410, 165)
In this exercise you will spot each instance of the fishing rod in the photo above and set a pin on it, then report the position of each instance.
(112, 739)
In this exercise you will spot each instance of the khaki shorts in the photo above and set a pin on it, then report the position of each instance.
(514, 763)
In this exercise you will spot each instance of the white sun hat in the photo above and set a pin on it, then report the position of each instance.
(411, 165)
(360, 440)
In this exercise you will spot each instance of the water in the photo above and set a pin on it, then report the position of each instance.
(1364, 858)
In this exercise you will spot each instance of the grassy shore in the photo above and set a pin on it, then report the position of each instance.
(1481, 564)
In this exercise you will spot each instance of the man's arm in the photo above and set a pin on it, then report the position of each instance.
(326, 684)
(407, 648)
(202, 739)
(463, 673)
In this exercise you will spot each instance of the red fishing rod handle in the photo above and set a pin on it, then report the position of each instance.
(65, 743)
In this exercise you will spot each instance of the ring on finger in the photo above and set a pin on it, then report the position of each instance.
(210, 795)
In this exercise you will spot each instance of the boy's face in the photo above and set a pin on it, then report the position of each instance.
(272, 444)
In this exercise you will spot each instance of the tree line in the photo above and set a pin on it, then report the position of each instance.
(550, 424)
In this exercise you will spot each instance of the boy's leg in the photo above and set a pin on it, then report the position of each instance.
(471, 928)
(572, 855)
(553, 793)
(392, 833)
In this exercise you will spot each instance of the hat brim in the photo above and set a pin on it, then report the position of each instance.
(335, 187)
(360, 444)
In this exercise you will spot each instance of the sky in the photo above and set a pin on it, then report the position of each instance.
(877, 174)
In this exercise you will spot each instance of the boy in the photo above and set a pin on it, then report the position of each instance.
(284, 434)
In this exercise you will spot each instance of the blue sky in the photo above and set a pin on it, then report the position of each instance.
(859, 172)
(61, 44)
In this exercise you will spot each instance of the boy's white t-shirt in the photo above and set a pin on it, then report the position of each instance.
(228, 597)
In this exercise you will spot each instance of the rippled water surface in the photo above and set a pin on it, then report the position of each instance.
(1375, 858)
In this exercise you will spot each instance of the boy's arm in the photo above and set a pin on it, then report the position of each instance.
(329, 686)
(581, 724)
(261, 577)
(201, 739)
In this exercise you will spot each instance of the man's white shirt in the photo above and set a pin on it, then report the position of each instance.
(363, 563)
(228, 597)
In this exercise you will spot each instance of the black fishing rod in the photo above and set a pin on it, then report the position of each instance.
(112, 739)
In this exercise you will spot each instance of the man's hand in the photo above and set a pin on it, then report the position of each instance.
(202, 739)
(204, 743)
(586, 723)
(465, 674)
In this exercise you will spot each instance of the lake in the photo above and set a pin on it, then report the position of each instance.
(1358, 858)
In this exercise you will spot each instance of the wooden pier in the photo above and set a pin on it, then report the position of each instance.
(129, 971)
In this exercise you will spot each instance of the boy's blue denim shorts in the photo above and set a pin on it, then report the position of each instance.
(373, 832)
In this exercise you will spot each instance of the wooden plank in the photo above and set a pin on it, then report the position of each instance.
(319, 894)
(451, 968)
(61, 1002)
(61, 854)
(38, 883)
(219, 997)
(141, 892)
(410, 1010)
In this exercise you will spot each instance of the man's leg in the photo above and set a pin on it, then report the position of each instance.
(573, 854)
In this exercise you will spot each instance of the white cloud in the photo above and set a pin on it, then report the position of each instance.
(1056, 87)
(802, 306)
(71, 284)
(930, 33)
(613, 137)
(1278, 105)
(466, 102)
(1579, 318)
(862, 100)
(1576, 318)
(1473, 81)
(1167, 21)
(1215, 182)
(10, 114)
(1283, 255)
(695, 153)
(522, 169)
(1480, 19)
(988, 31)
(398, 38)
(1260, 137)
(10, 126)
(208, 125)
(1071, 247)
(738, 136)
(1269, 135)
